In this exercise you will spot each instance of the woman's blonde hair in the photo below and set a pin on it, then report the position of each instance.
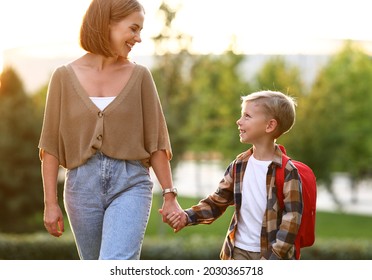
(95, 28)
(276, 105)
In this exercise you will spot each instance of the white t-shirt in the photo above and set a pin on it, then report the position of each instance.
(254, 200)
(102, 102)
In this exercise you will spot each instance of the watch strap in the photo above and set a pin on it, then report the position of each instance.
(170, 190)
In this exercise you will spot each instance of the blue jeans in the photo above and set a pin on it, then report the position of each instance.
(108, 204)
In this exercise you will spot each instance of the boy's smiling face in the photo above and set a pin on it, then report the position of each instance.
(253, 123)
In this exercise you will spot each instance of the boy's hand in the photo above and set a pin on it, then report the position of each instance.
(176, 220)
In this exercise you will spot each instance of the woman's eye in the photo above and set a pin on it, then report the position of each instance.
(135, 29)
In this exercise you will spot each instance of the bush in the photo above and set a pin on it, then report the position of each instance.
(194, 247)
(37, 246)
(338, 249)
(41, 246)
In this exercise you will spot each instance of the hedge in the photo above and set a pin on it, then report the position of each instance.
(41, 246)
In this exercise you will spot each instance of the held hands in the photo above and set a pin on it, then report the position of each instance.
(177, 221)
(173, 214)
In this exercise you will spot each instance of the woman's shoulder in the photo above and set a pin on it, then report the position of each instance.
(142, 71)
(140, 67)
(62, 69)
(59, 73)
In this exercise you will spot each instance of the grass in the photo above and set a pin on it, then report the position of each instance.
(329, 225)
(338, 236)
(343, 226)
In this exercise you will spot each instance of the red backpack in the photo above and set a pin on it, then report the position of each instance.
(306, 232)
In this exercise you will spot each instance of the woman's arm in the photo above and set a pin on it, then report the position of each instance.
(53, 217)
(162, 169)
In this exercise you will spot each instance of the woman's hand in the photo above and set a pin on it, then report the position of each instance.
(53, 220)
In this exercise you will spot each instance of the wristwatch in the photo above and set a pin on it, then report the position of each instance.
(170, 190)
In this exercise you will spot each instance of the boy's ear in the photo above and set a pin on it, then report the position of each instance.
(272, 124)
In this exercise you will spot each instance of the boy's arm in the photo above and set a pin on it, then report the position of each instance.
(213, 206)
(291, 219)
(209, 208)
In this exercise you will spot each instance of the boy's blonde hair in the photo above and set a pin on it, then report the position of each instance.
(95, 28)
(276, 105)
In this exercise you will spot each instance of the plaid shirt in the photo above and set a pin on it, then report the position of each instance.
(279, 227)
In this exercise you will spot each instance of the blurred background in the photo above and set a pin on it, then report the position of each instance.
(204, 55)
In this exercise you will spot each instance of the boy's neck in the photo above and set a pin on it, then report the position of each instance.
(264, 152)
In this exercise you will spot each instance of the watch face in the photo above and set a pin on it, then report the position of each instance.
(172, 190)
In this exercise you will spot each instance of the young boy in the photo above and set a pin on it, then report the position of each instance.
(259, 228)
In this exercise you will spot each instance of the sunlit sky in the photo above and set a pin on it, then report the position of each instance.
(260, 26)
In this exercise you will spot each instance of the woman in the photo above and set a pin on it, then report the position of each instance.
(104, 123)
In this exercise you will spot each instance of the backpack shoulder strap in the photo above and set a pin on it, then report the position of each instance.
(279, 178)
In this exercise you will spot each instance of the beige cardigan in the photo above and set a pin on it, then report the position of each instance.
(131, 127)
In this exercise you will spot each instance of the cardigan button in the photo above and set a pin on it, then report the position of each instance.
(100, 114)
(99, 137)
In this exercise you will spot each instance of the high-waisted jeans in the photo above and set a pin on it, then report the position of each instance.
(108, 204)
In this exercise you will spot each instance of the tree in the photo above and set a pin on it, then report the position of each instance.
(170, 73)
(278, 74)
(20, 180)
(337, 135)
(217, 87)
(200, 94)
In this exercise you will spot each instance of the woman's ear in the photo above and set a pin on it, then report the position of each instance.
(272, 124)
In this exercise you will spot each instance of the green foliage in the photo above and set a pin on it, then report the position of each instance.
(334, 119)
(174, 98)
(37, 246)
(338, 249)
(169, 75)
(20, 179)
(200, 95)
(277, 74)
(11, 84)
(217, 86)
(201, 107)
(39, 99)
(193, 247)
